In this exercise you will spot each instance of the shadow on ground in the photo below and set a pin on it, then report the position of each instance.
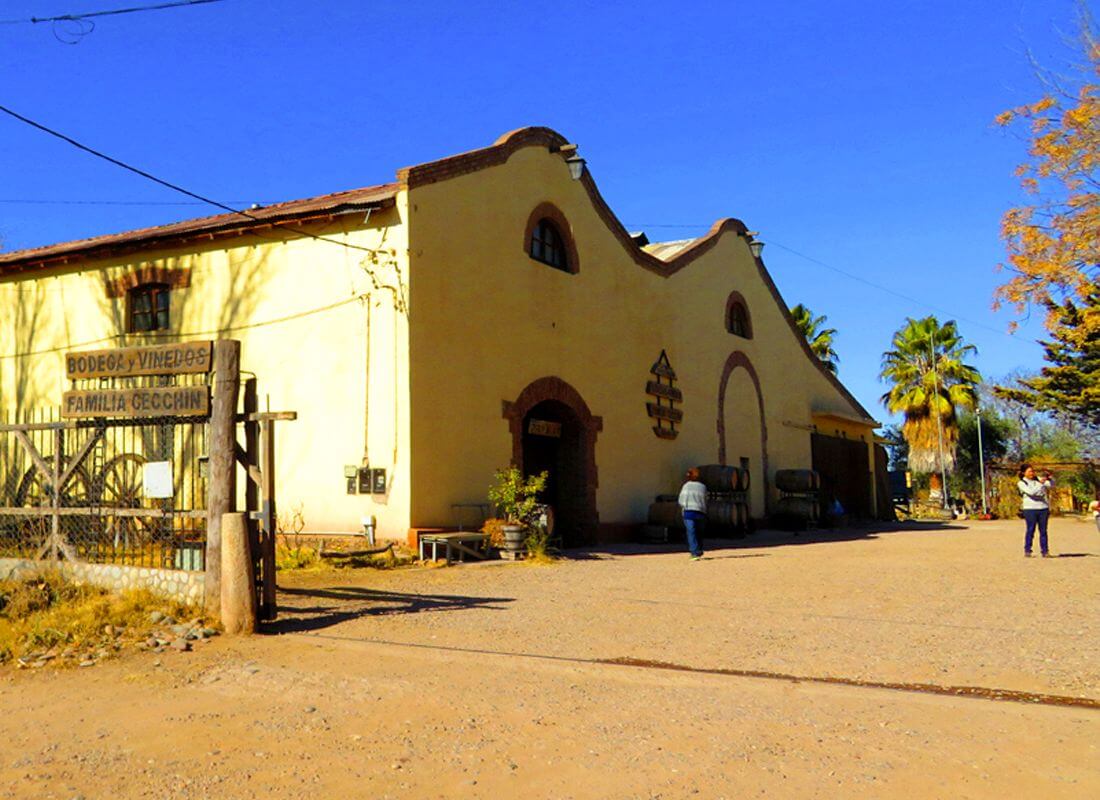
(760, 538)
(306, 609)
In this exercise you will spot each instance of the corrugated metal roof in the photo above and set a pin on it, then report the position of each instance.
(666, 251)
(145, 238)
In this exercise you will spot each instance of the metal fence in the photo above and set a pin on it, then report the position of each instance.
(102, 513)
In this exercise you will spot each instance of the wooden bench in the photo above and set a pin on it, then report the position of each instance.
(454, 543)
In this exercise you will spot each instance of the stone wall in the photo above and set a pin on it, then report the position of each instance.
(175, 584)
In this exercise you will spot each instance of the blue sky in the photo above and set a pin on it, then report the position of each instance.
(856, 133)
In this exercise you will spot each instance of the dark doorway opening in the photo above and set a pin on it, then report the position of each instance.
(845, 473)
(554, 441)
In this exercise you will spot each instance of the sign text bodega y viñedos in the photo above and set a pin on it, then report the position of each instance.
(140, 401)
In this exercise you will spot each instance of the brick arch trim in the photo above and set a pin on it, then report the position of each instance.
(736, 298)
(554, 388)
(554, 214)
(133, 278)
(735, 360)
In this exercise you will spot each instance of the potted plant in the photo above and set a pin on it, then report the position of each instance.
(516, 500)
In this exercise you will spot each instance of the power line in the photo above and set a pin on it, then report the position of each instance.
(108, 13)
(41, 202)
(397, 291)
(212, 332)
(854, 277)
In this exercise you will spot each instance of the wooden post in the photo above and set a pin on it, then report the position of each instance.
(222, 441)
(267, 471)
(250, 405)
(238, 588)
(55, 482)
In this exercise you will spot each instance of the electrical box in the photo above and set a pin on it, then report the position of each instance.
(378, 481)
(364, 480)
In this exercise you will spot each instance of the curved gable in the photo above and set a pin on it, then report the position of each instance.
(504, 147)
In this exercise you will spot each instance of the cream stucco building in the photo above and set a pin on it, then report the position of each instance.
(483, 309)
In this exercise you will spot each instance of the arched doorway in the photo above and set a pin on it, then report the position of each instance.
(553, 430)
(742, 429)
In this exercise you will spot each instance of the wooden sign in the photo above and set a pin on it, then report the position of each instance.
(173, 401)
(664, 411)
(662, 390)
(540, 427)
(165, 359)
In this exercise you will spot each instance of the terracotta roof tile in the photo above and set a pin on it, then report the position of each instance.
(160, 235)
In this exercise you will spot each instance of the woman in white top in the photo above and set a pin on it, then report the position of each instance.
(693, 504)
(1036, 508)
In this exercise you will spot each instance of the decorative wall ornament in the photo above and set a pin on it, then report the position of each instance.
(664, 391)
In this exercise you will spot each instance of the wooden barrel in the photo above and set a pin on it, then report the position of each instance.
(742, 514)
(743, 480)
(721, 514)
(797, 480)
(665, 513)
(718, 477)
(802, 507)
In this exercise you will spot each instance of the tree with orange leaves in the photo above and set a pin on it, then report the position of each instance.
(1053, 243)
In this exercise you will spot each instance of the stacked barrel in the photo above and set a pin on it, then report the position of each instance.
(727, 505)
(799, 495)
(665, 520)
(727, 499)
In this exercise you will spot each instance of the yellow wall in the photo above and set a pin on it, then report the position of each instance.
(487, 320)
(484, 321)
(315, 363)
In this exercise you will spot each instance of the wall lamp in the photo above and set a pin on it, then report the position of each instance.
(572, 160)
(756, 246)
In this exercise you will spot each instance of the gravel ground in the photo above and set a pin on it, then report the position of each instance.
(484, 680)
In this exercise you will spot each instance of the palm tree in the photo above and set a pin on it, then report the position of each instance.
(928, 391)
(820, 339)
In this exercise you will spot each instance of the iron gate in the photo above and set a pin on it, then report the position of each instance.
(76, 489)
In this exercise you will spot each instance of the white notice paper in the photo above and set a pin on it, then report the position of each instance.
(157, 479)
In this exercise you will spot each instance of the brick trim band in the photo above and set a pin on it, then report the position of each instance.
(174, 278)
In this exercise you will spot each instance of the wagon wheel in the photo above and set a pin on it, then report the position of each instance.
(36, 491)
(121, 486)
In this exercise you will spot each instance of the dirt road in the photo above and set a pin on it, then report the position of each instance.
(491, 681)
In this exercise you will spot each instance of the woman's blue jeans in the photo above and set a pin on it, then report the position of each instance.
(695, 525)
(1033, 517)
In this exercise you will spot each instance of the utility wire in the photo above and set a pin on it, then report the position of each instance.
(397, 291)
(212, 332)
(373, 251)
(12, 201)
(854, 277)
(108, 13)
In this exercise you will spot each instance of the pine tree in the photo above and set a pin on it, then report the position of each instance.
(1070, 383)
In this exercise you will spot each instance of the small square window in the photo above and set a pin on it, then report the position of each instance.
(149, 308)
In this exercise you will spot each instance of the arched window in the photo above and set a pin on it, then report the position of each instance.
(548, 245)
(148, 308)
(738, 321)
(548, 239)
